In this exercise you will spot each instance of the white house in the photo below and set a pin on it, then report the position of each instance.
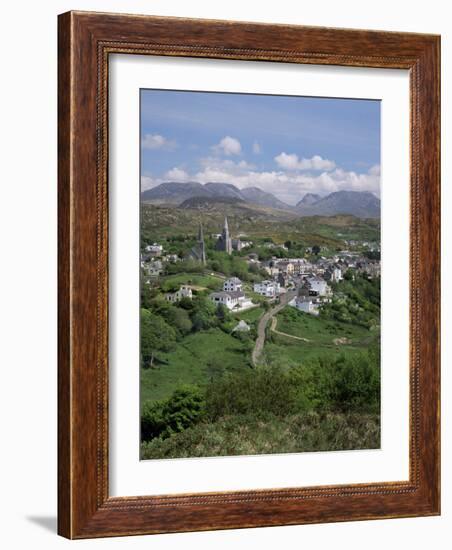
(306, 304)
(183, 292)
(318, 286)
(154, 249)
(233, 300)
(234, 284)
(269, 289)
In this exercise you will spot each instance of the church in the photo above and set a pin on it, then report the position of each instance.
(224, 242)
(198, 252)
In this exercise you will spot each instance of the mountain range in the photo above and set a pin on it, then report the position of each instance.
(362, 204)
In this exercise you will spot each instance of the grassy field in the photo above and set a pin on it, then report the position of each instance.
(327, 338)
(194, 279)
(249, 315)
(286, 351)
(345, 227)
(197, 358)
(317, 329)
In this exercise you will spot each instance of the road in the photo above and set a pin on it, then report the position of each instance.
(259, 345)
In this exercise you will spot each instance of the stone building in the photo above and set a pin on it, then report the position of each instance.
(224, 242)
(198, 252)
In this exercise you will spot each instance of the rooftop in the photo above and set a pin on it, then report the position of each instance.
(234, 280)
(231, 294)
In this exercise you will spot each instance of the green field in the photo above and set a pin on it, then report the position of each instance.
(196, 359)
(249, 315)
(288, 352)
(322, 335)
(194, 279)
(318, 329)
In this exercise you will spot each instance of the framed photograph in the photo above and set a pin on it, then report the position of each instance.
(248, 275)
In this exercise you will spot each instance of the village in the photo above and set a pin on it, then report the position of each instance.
(306, 282)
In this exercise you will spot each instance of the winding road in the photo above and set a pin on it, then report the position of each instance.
(260, 341)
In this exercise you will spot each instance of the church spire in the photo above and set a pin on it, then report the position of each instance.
(201, 245)
(200, 232)
(227, 241)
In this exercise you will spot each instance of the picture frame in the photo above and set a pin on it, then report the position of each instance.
(85, 508)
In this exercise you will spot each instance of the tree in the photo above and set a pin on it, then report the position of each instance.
(239, 268)
(203, 314)
(147, 294)
(179, 318)
(372, 254)
(316, 249)
(156, 335)
(186, 303)
(183, 409)
(222, 313)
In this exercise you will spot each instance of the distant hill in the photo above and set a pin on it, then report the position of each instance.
(177, 193)
(224, 190)
(202, 202)
(262, 198)
(173, 192)
(361, 204)
(308, 199)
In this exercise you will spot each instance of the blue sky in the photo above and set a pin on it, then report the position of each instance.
(282, 144)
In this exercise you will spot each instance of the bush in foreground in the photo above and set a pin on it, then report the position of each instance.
(257, 434)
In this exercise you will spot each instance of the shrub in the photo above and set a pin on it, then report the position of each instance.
(179, 318)
(348, 384)
(263, 390)
(183, 409)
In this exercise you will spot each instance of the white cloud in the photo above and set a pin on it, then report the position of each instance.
(292, 162)
(257, 148)
(156, 141)
(375, 170)
(228, 146)
(148, 182)
(177, 174)
(289, 186)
